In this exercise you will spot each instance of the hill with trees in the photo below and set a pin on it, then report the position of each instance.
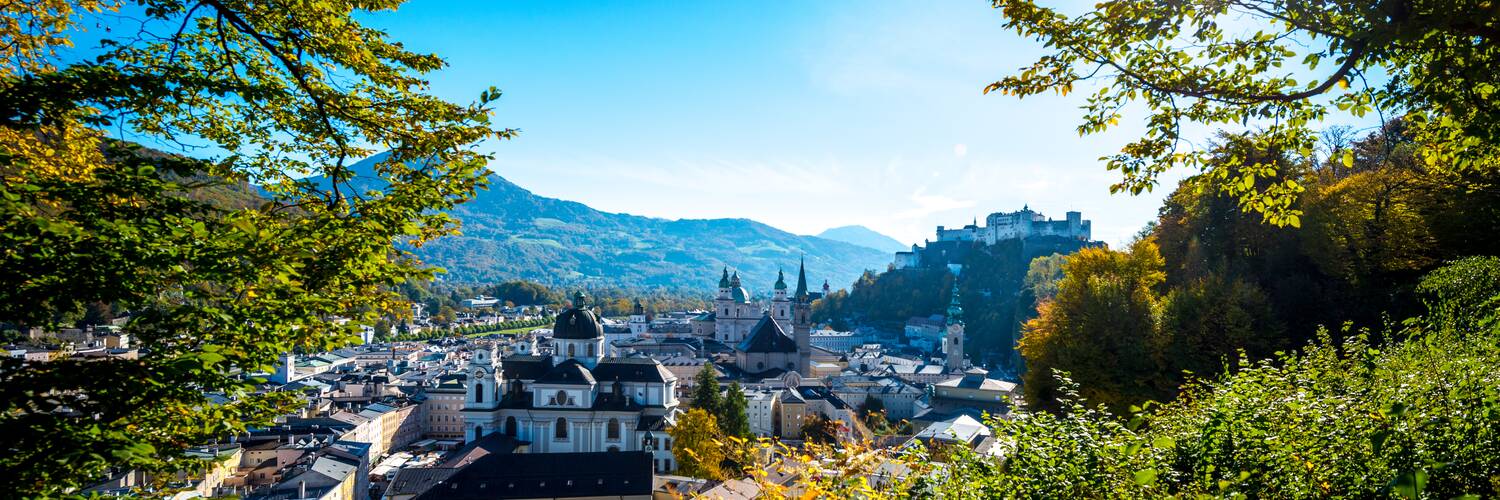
(511, 233)
(994, 288)
(865, 237)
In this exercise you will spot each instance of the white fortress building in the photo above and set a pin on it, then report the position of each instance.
(1000, 226)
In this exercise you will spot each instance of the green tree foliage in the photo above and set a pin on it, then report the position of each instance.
(735, 420)
(697, 444)
(1371, 228)
(1205, 324)
(1464, 295)
(706, 393)
(1042, 277)
(817, 428)
(1098, 328)
(993, 289)
(1240, 63)
(1416, 416)
(215, 290)
(523, 292)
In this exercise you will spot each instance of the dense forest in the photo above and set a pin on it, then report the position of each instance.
(995, 290)
(1210, 280)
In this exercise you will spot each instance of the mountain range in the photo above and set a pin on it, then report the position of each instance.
(865, 237)
(512, 233)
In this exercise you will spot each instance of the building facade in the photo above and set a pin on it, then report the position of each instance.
(576, 400)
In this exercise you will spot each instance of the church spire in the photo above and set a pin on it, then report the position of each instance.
(955, 309)
(724, 281)
(780, 280)
(801, 280)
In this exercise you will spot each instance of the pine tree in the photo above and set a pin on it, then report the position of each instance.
(734, 420)
(706, 390)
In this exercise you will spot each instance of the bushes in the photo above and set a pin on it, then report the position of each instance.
(1414, 416)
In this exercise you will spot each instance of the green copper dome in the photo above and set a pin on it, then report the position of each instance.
(724, 282)
(780, 280)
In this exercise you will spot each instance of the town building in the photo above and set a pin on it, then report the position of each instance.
(576, 400)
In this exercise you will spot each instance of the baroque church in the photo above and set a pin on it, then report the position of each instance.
(575, 399)
(771, 340)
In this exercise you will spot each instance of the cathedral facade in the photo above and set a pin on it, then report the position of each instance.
(577, 399)
(766, 339)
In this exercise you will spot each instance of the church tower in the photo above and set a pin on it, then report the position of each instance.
(639, 323)
(953, 342)
(781, 307)
(802, 321)
(482, 392)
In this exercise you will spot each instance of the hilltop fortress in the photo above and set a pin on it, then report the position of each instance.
(1023, 225)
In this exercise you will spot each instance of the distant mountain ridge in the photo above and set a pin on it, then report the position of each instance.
(863, 236)
(510, 233)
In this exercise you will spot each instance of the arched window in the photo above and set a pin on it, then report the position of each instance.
(612, 430)
(571, 352)
(560, 431)
(478, 431)
(591, 349)
(562, 398)
(510, 426)
(478, 392)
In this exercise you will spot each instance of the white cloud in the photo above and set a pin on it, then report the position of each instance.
(929, 204)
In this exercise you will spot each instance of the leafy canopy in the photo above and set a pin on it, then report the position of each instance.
(215, 290)
(1277, 66)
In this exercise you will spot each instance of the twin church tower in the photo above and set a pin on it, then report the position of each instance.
(760, 335)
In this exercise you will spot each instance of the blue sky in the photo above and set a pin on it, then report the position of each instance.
(803, 115)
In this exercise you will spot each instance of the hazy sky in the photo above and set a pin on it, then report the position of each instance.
(803, 115)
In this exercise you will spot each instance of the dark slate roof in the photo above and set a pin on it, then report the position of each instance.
(549, 475)
(525, 367)
(577, 323)
(631, 370)
(416, 480)
(494, 443)
(767, 336)
(812, 392)
(569, 372)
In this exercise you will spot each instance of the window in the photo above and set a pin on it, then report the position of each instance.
(612, 430)
(591, 349)
(560, 430)
(510, 426)
(562, 398)
(478, 392)
(571, 352)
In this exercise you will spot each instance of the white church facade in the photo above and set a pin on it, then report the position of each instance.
(575, 400)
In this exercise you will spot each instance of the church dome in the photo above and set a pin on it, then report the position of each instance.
(577, 322)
